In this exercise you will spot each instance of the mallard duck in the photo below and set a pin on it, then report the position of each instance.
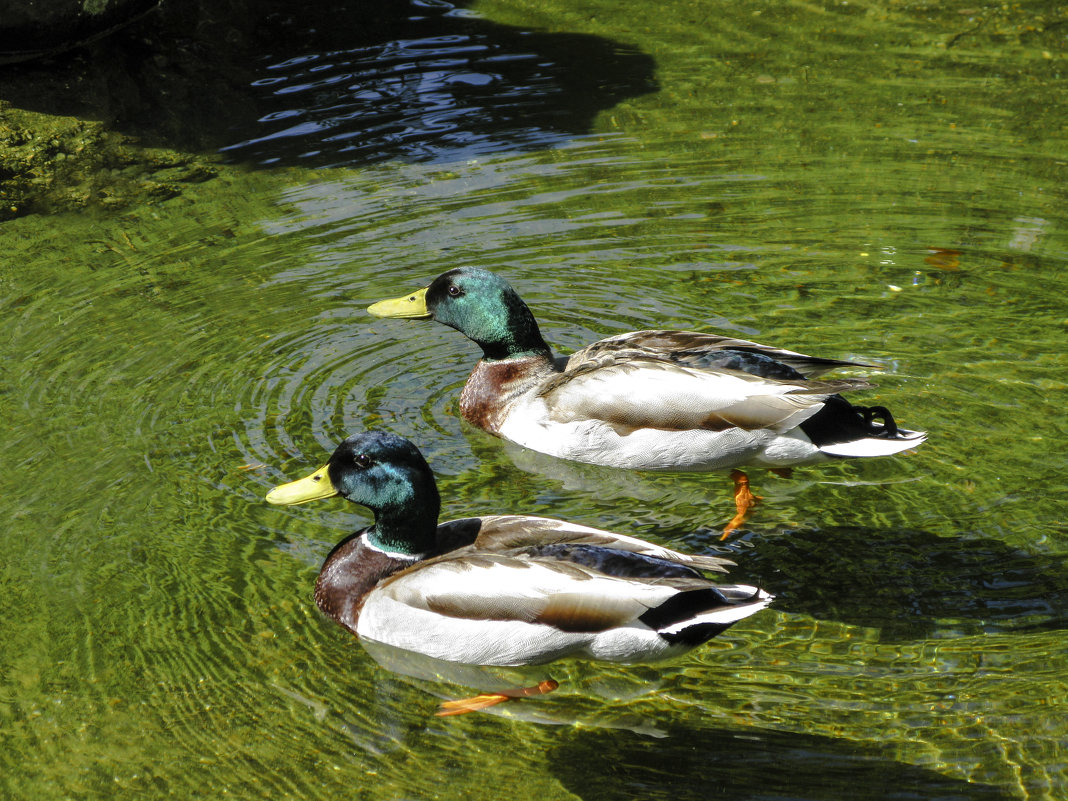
(503, 589)
(649, 400)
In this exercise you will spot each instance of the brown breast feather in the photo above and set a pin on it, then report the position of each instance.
(492, 386)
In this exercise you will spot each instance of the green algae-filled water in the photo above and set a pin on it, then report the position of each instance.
(882, 182)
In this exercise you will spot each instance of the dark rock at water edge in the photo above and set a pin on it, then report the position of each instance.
(30, 30)
(66, 137)
(164, 102)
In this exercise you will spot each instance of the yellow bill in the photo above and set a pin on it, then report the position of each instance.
(309, 488)
(409, 307)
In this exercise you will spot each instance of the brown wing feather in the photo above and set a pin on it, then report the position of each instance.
(503, 533)
(681, 346)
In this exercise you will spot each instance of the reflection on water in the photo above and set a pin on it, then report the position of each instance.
(272, 82)
(429, 82)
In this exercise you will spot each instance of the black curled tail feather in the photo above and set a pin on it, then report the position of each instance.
(682, 607)
(888, 430)
(840, 421)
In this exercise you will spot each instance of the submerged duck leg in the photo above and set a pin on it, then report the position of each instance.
(462, 706)
(744, 500)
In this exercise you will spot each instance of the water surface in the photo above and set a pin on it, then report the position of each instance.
(854, 181)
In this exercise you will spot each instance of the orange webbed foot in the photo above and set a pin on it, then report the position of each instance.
(462, 706)
(744, 500)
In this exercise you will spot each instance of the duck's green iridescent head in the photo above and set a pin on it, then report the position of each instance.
(478, 304)
(387, 474)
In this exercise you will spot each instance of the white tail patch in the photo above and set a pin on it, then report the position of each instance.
(876, 446)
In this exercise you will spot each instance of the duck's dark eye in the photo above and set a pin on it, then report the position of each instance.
(454, 291)
(362, 461)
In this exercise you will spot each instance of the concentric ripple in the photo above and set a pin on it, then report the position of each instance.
(332, 380)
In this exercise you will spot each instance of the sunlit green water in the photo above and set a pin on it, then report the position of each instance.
(796, 179)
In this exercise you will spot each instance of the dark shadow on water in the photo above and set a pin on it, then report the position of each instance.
(602, 754)
(721, 764)
(909, 584)
(276, 82)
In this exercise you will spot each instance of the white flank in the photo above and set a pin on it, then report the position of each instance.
(597, 442)
(674, 396)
